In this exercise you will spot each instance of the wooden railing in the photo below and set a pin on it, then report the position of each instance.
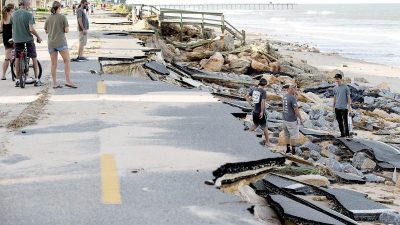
(202, 19)
(187, 17)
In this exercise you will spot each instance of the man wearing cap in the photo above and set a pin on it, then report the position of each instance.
(290, 123)
(258, 98)
(342, 105)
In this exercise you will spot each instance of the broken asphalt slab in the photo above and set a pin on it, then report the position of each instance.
(273, 181)
(383, 153)
(157, 67)
(356, 205)
(290, 210)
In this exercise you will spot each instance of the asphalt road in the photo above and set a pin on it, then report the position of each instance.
(138, 154)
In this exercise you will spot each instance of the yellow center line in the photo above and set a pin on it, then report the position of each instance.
(110, 181)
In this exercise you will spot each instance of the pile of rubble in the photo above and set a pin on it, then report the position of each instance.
(229, 71)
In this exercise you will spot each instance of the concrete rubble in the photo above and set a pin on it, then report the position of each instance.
(218, 64)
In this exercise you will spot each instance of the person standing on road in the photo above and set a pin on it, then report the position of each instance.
(56, 26)
(83, 27)
(22, 31)
(342, 105)
(290, 123)
(7, 35)
(258, 99)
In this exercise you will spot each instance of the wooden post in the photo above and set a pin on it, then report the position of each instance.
(244, 37)
(222, 24)
(202, 26)
(160, 18)
(181, 32)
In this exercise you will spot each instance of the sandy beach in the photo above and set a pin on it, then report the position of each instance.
(374, 73)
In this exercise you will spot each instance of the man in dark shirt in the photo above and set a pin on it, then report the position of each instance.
(258, 98)
(290, 114)
(342, 105)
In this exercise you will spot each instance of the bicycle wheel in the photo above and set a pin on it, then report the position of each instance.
(22, 74)
(30, 72)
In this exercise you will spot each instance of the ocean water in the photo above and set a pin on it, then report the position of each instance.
(369, 32)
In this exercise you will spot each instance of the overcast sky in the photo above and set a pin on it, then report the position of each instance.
(264, 1)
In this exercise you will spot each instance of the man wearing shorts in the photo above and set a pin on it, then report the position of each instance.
(290, 114)
(83, 27)
(22, 26)
(258, 98)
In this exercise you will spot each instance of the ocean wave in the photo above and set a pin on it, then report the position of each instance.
(324, 12)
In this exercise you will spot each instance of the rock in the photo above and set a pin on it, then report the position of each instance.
(383, 86)
(333, 149)
(214, 64)
(197, 55)
(391, 218)
(326, 153)
(348, 168)
(242, 54)
(374, 178)
(311, 147)
(275, 115)
(203, 62)
(369, 100)
(229, 43)
(258, 66)
(315, 155)
(274, 140)
(362, 162)
(332, 164)
(240, 65)
(230, 57)
(282, 141)
(321, 122)
(316, 180)
(275, 67)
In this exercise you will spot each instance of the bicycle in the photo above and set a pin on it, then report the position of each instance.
(25, 63)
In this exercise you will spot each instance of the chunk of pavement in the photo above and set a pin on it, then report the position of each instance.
(372, 178)
(391, 218)
(382, 152)
(309, 146)
(349, 178)
(324, 135)
(275, 183)
(298, 213)
(356, 205)
(243, 169)
(331, 163)
(312, 179)
(348, 168)
(362, 162)
(157, 67)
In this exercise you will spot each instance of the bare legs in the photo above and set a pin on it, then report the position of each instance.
(6, 62)
(66, 59)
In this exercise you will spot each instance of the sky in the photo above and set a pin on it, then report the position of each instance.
(150, 2)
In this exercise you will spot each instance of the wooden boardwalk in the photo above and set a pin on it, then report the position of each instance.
(260, 6)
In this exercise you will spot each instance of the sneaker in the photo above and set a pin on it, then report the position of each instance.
(17, 83)
(38, 83)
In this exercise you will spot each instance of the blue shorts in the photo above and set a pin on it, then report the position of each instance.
(59, 49)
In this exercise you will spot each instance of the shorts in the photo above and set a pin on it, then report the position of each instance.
(82, 38)
(59, 49)
(260, 122)
(30, 46)
(291, 129)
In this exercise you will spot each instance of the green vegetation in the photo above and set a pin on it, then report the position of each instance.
(122, 9)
